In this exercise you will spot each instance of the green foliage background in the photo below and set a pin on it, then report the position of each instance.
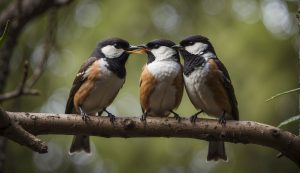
(260, 60)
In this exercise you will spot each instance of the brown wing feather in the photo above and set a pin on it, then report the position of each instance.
(178, 82)
(225, 79)
(78, 81)
(147, 84)
(219, 92)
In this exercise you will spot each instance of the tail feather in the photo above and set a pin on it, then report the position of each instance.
(216, 151)
(80, 143)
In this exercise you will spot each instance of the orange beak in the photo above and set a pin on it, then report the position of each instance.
(137, 50)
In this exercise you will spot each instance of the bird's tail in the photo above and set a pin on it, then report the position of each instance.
(216, 151)
(80, 143)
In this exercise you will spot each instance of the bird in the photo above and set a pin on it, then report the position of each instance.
(97, 83)
(208, 86)
(161, 81)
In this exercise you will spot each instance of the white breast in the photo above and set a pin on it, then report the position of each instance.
(199, 93)
(104, 90)
(164, 70)
(163, 53)
(162, 99)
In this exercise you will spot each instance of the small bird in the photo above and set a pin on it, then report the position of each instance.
(97, 84)
(161, 82)
(208, 86)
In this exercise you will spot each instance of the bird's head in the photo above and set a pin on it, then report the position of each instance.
(160, 50)
(196, 45)
(114, 48)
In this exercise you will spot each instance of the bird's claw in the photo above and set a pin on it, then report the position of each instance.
(176, 116)
(193, 118)
(143, 117)
(222, 120)
(84, 116)
(112, 117)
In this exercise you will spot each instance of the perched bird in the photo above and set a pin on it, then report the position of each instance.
(161, 82)
(208, 86)
(97, 83)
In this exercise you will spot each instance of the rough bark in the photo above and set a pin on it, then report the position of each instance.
(12, 130)
(298, 17)
(20, 13)
(245, 132)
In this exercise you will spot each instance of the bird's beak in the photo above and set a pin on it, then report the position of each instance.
(177, 47)
(136, 50)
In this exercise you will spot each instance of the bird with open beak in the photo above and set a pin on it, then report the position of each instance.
(161, 81)
(97, 84)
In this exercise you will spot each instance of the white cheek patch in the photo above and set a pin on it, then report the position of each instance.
(196, 48)
(111, 52)
(163, 52)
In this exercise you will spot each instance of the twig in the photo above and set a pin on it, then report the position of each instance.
(22, 89)
(245, 132)
(25, 87)
(49, 43)
(298, 21)
(30, 9)
(3, 36)
(283, 93)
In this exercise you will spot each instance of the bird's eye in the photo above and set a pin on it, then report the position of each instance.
(116, 45)
(191, 43)
(156, 46)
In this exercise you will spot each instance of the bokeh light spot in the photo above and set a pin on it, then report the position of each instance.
(246, 11)
(87, 13)
(165, 17)
(277, 18)
(50, 161)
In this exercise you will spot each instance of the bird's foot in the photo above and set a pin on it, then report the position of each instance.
(222, 120)
(176, 116)
(144, 116)
(111, 116)
(84, 115)
(100, 113)
(194, 117)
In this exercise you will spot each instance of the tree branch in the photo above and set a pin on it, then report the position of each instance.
(25, 87)
(20, 13)
(298, 21)
(49, 43)
(12, 130)
(245, 132)
(21, 89)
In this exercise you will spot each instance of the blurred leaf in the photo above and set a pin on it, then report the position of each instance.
(3, 36)
(289, 121)
(283, 93)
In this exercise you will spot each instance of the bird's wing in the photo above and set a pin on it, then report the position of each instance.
(178, 82)
(78, 81)
(147, 85)
(229, 88)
